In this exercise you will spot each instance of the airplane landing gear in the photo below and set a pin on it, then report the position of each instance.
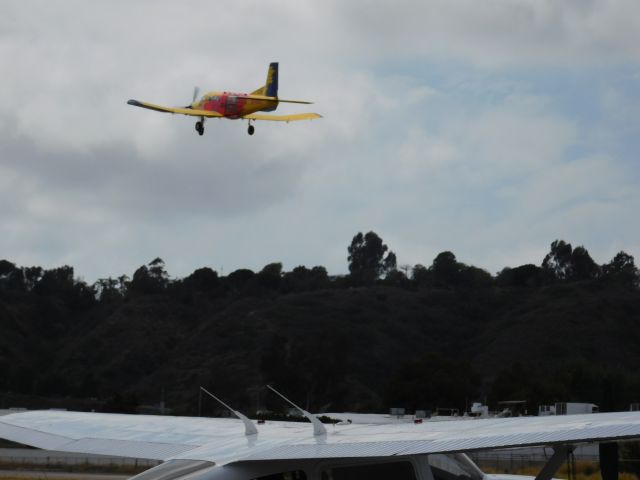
(251, 129)
(200, 128)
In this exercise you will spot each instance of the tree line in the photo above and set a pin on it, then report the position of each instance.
(370, 261)
(443, 333)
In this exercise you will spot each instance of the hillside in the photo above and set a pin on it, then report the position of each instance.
(332, 346)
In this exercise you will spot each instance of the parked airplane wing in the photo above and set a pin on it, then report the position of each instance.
(184, 111)
(223, 440)
(283, 118)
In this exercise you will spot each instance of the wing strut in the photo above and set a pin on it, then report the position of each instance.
(318, 427)
(609, 461)
(249, 427)
(559, 456)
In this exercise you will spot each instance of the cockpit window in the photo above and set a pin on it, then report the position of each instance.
(378, 471)
(448, 467)
(293, 475)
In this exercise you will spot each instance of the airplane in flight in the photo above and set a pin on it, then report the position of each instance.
(196, 448)
(235, 106)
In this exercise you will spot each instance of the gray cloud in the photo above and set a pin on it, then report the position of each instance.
(477, 161)
(497, 32)
(118, 181)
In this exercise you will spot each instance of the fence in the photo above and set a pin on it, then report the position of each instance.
(23, 458)
(506, 461)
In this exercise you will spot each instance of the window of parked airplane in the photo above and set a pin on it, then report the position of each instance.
(448, 467)
(174, 469)
(377, 471)
(293, 475)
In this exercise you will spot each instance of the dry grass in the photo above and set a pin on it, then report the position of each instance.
(44, 475)
(75, 468)
(584, 471)
(38, 477)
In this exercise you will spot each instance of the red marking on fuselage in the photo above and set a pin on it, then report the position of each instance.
(230, 105)
(234, 104)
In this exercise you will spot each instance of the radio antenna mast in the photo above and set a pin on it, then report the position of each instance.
(249, 427)
(318, 427)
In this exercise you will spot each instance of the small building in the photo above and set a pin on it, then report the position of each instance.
(571, 408)
(479, 410)
(512, 408)
(546, 410)
(567, 408)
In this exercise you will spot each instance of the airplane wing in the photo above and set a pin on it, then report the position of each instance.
(223, 440)
(181, 110)
(274, 99)
(283, 118)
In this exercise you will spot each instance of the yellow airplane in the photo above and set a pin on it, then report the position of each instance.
(236, 105)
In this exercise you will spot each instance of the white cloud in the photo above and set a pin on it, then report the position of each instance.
(472, 163)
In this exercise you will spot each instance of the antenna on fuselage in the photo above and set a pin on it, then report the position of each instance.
(249, 427)
(318, 427)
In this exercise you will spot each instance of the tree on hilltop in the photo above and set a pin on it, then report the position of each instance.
(622, 268)
(369, 258)
(150, 278)
(270, 275)
(202, 279)
(11, 277)
(567, 264)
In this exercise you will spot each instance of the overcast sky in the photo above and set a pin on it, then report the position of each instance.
(486, 128)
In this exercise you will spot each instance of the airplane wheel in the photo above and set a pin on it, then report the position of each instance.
(251, 129)
(199, 127)
(201, 131)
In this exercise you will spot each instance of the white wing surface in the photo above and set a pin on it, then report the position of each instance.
(223, 440)
(139, 436)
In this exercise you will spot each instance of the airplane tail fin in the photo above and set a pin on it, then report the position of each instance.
(270, 88)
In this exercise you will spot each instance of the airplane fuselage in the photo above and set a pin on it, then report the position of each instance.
(403, 467)
(236, 105)
(232, 105)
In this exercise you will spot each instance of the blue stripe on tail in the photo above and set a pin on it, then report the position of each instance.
(271, 89)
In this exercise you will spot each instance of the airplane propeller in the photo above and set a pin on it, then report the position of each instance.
(196, 91)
